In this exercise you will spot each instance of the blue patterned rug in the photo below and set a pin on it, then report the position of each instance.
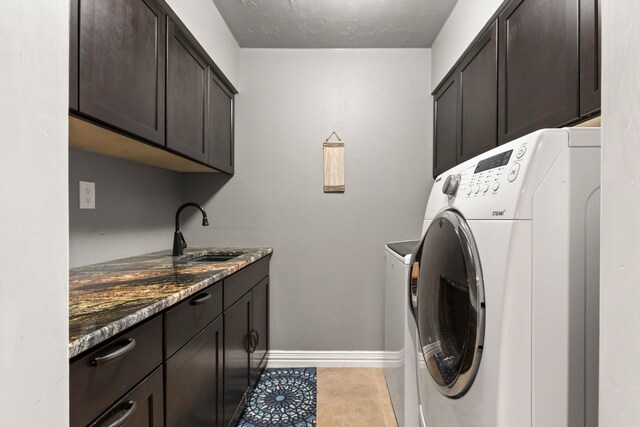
(282, 397)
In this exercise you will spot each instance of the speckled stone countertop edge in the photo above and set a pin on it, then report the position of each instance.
(98, 336)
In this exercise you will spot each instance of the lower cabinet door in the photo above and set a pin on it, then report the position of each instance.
(260, 328)
(194, 380)
(237, 321)
(141, 407)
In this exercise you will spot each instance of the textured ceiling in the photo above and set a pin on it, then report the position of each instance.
(335, 23)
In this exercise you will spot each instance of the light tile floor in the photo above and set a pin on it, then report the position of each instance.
(353, 397)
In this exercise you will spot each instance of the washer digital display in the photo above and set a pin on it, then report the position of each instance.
(496, 161)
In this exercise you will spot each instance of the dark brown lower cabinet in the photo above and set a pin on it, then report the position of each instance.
(194, 380)
(259, 328)
(237, 323)
(246, 334)
(141, 407)
(105, 373)
(211, 361)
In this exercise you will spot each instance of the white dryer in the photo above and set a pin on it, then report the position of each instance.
(504, 286)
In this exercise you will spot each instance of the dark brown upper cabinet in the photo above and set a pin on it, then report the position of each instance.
(478, 77)
(142, 88)
(122, 65)
(73, 55)
(538, 53)
(590, 57)
(446, 124)
(220, 125)
(187, 78)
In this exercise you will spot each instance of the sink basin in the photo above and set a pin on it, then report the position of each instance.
(221, 257)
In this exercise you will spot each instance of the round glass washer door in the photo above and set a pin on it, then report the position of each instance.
(449, 303)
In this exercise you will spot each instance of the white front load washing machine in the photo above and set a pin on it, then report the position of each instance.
(504, 286)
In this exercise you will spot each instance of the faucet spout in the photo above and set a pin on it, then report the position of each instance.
(179, 243)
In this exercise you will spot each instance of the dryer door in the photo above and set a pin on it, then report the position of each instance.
(448, 302)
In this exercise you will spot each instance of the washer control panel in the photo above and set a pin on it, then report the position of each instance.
(488, 176)
(501, 183)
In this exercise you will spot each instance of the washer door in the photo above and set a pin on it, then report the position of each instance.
(448, 302)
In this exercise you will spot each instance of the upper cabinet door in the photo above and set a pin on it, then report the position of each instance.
(479, 97)
(590, 56)
(73, 55)
(187, 77)
(220, 125)
(122, 65)
(539, 66)
(445, 130)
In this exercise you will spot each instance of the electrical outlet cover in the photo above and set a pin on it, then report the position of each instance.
(87, 195)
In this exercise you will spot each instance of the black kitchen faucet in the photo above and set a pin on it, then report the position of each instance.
(178, 239)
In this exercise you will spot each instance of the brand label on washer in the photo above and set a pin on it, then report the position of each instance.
(499, 213)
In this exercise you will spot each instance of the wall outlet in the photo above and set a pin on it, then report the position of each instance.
(87, 195)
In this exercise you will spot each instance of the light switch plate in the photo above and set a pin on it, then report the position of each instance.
(87, 195)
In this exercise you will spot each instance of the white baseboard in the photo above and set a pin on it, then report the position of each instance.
(333, 359)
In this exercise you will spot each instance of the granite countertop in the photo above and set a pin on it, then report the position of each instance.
(107, 298)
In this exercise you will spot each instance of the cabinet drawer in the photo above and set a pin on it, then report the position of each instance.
(139, 408)
(184, 321)
(242, 281)
(103, 375)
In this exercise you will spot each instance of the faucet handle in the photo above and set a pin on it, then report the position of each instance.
(178, 243)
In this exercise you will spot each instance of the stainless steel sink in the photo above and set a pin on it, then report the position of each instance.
(220, 257)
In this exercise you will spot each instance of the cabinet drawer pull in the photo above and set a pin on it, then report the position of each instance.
(254, 338)
(252, 342)
(255, 346)
(102, 360)
(131, 409)
(200, 299)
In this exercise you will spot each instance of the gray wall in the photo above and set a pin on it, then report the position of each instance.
(328, 265)
(463, 25)
(135, 207)
(207, 25)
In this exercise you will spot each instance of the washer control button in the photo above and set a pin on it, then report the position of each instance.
(513, 173)
(469, 191)
(521, 152)
(485, 188)
(450, 185)
(477, 189)
(496, 185)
